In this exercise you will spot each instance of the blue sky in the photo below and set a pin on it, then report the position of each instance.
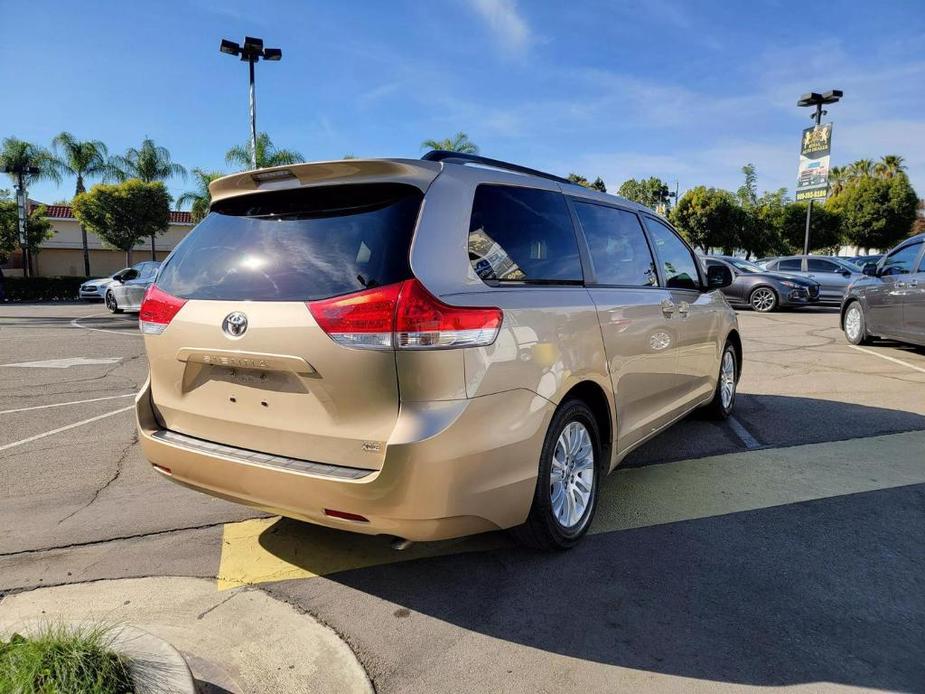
(687, 91)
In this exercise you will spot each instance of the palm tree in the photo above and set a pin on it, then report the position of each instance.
(460, 143)
(889, 165)
(862, 168)
(16, 154)
(83, 159)
(200, 198)
(838, 179)
(149, 163)
(267, 154)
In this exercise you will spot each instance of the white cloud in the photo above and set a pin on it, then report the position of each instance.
(509, 27)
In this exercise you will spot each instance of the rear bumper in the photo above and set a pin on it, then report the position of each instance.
(451, 468)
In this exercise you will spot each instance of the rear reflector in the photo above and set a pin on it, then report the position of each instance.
(404, 316)
(345, 515)
(157, 310)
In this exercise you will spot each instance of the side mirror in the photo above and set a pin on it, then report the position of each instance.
(870, 270)
(718, 276)
(846, 273)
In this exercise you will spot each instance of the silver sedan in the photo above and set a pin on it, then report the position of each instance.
(128, 287)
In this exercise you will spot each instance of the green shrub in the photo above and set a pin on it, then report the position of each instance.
(42, 288)
(63, 660)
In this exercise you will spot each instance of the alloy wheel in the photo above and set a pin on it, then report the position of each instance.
(853, 323)
(763, 299)
(572, 476)
(727, 378)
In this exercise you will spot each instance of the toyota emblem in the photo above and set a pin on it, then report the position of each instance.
(235, 324)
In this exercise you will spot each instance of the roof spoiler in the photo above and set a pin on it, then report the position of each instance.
(411, 171)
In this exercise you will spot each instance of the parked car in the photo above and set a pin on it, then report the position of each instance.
(833, 274)
(863, 261)
(127, 289)
(321, 346)
(95, 289)
(762, 290)
(889, 302)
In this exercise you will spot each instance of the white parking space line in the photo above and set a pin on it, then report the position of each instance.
(65, 428)
(63, 404)
(744, 436)
(65, 363)
(889, 358)
(76, 324)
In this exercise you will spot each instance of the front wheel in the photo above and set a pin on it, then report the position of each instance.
(856, 324)
(567, 485)
(724, 397)
(112, 304)
(763, 300)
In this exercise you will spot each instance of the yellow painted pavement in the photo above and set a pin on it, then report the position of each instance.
(274, 549)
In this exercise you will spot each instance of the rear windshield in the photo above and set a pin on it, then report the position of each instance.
(297, 245)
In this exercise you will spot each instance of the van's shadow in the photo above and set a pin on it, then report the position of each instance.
(830, 590)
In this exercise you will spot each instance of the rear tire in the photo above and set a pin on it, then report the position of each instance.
(855, 324)
(567, 485)
(112, 304)
(763, 300)
(724, 398)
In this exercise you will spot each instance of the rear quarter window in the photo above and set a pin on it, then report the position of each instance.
(522, 235)
(297, 245)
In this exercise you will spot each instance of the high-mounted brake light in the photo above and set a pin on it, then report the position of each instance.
(157, 310)
(404, 316)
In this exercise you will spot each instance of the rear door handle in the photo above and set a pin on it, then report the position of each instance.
(913, 283)
(684, 308)
(901, 285)
(668, 308)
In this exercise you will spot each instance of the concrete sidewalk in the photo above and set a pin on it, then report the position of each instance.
(239, 641)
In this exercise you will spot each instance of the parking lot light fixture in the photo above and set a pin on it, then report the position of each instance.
(816, 100)
(251, 51)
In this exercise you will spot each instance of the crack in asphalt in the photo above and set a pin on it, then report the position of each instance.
(119, 463)
(120, 538)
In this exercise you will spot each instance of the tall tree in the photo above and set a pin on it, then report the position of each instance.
(650, 192)
(19, 154)
(267, 154)
(709, 218)
(876, 212)
(596, 184)
(200, 198)
(889, 165)
(83, 159)
(825, 232)
(148, 163)
(122, 214)
(748, 191)
(38, 228)
(862, 168)
(838, 179)
(458, 143)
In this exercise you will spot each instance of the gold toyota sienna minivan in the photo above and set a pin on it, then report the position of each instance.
(426, 348)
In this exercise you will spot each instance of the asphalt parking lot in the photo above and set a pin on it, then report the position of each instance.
(785, 547)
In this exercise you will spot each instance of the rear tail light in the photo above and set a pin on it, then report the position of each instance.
(404, 316)
(157, 310)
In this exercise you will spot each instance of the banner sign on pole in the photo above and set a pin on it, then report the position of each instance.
(815, 151)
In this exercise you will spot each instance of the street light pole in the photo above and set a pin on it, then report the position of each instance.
(252, 51)
(253, 107)
(817, 100)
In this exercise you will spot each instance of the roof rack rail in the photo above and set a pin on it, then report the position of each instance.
(461, 158)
